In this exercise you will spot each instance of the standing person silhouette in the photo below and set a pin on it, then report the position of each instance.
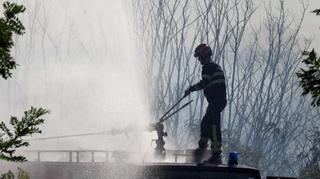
(214, 86)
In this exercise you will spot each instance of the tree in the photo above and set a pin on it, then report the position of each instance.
(310, 83)
(264, 118)
(310, 77)
(12, 139)
(20, 175)
(9, 25)
(316, 11)
(311, 156)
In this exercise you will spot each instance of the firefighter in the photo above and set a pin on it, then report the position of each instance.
(214, 87)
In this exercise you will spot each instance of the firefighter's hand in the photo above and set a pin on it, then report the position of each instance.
(187, 92)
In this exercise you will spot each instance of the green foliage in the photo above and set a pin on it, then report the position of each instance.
(310, 77)
(316, 11)
(11, 140)
(21, 175)
(28, 125)
(9, 25)
(8, 175)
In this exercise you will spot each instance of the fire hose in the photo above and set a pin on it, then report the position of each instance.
(159, 128)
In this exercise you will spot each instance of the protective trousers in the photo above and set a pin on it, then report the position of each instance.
(211, 127)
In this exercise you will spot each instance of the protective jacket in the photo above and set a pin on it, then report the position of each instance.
(213, 83)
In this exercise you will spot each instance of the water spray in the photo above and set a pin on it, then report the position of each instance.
(108, 132)
(160, 151)
(158, 127)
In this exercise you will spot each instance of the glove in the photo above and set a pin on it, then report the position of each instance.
(187, 92)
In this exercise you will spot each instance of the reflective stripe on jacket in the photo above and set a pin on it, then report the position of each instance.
(212, 82)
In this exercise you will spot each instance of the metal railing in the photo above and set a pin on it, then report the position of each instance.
(95, 155)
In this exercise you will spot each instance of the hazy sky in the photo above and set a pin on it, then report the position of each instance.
(311, 25)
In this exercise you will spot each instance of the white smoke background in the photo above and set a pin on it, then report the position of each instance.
(78, 59)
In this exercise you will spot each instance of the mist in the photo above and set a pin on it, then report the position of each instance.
(78, 59)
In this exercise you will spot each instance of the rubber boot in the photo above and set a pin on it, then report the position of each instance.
(215, 148)
(215, 158)
(201, 150)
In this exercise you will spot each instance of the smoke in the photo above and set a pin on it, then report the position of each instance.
(78, 59)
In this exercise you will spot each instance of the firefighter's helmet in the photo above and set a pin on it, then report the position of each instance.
(202, 50)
